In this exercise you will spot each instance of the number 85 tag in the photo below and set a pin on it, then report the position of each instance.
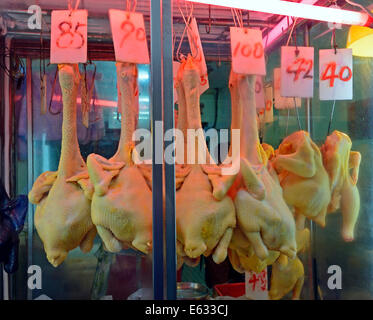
(69, 36)
(129, 36)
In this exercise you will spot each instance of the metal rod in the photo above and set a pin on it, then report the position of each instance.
(168, 101)
(30, 165)
(157, 172)
(331, 117)
(311, 257)
(297, 113)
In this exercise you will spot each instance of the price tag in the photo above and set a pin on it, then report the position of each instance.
(297, 72)
(68, 36)
(197, 52)
(175, 69)
(336, 81)
(247, 51)
(282, 102)
(268, 114)
(259, 93)
(129, 36)
(256, 285)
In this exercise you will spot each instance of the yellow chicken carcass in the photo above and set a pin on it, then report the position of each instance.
(285, 278)
(122, 199)
(303, 178)
(63, 217)
(263, 217)
(288, 274)
(339, 160)
(204, 223)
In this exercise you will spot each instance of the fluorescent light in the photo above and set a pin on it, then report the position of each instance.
(298, 10)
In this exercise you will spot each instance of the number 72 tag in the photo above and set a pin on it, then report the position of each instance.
(297, 71)
(129, 36)
(68, 36)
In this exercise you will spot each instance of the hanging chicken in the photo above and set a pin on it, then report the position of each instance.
(302, 176)
(122, 199)
(204, 223)
(262, 214)
(342, 166)
(63, 212)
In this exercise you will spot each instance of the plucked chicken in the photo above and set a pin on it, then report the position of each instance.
(342, 166)
(262, 214)
(303, 178)
(63, 216)
(204, 224)
(122, 199)
(288, 274)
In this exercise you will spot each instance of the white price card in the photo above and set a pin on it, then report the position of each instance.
(175, 69)
(280, 101)
(247, 51)
(256, 285)
(129, 36)
(268, 114)
(336, 71)
(68, 36)
(197, 52)
(259, 93)
(297, 71)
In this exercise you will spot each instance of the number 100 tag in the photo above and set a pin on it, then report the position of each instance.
(336, 82)
(247, 51)
(129, 36)
(68, 36)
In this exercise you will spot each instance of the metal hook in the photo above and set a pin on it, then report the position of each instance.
(209, 25)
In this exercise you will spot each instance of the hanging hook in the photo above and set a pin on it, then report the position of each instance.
(208, 30)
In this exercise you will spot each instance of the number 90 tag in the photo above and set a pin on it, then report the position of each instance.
(129, 36)
(68, 36)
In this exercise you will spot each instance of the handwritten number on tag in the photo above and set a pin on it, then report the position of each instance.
(301, 66)
(246, 50)
(330, 74)
(65, 28)
(128, 27)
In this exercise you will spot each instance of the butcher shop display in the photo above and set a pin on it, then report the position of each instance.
(186, 150)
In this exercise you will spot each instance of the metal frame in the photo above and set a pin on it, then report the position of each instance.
(162, 100)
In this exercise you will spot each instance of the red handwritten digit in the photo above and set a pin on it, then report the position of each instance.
(64, 31)
(332, 66)
(235, 51)
(140, 34)
(203, 80)
(128, 27)
(258, 50)
(349, 74)
(246, 50)
(253, 280)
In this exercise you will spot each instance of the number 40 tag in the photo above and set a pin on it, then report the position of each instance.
(336, 74)
(68, 36)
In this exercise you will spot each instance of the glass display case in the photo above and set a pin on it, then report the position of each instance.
(31, 142)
